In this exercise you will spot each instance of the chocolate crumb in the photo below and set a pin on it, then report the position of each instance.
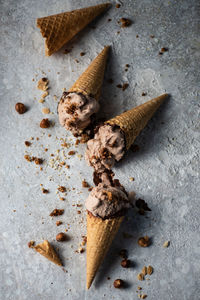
(78, 212)
(85, 184)
(124, 86)
(119, 86)
(56, 212)
(144, 94)
(152, 36)
(164, 50)
(27, 143)
(109, 20)
(137, 36)
(118, 283)
(90, 189)
(67, 51)
(45, 123)
(38, 161)
(20, 108)
(45, 191)
(125, 22)
(61, 237)
(82, 53)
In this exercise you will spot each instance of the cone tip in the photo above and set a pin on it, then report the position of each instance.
(88, 284)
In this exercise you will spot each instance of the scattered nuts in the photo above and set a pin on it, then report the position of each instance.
(118, 283)
(144, 241)
(20, 108)
(61, 237)
(45, 123)
(125, 263)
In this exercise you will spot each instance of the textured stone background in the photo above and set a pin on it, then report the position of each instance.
(166, 169)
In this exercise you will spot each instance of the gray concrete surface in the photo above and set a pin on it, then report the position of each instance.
(166, 168)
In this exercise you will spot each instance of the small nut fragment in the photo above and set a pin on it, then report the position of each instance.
(149, 270)
(62, 189)
(31, 244)
(144, 241)
(140, 276)
(38, 161)
(45, 110)
(125, 22)
(56, 212)
(85, 184)
(125, 263)
(144, 270)
(118, 283)
(45, 123)
(27, 143)
(71, 152)
(61, 237)
(43, 84)
(20, 108)
(166, 244)
(58, 223)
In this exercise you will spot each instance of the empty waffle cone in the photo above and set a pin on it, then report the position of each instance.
(134, 120)
(90, 82)
(47, 251)
(60, 28)
(100, 234)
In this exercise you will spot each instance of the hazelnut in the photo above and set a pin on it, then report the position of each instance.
(61, 237)
(45, 123)
(144, 241)
(20, 108)
(118, 283)
(125, 263)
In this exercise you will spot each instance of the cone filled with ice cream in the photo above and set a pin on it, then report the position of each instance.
(60, 28)
(117, 135)
(78, 106)
(106, 207)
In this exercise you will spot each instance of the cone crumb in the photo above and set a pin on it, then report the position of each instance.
(166, 244)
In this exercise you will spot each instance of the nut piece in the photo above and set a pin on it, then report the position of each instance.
(125, 22)
(31, 244)
(45, 123)
(125, 263)
(144, 241)
(56, 212)
(144, 270)
(118, 283)
(140, 276)
(58, 223)
(149, 270)
(20, 108)
(38, 161)
(43, 84)
(85, 184)
(61, 237)
(62, 189)
(166, 244)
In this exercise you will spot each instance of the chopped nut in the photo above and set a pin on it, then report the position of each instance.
(166, 244)
(20, 108)
(45, 123)
(125, 263)
(82, 53)
(118, 283)
(164, 50)
(84, 240)
(56, 212)
(61, 237)
(46, 110)
(142, 296)
(144, 241)
(149, 270)
(80, 250)
(140, 276)
(45, 191)
(85, 184)
(125, 22)
(44, 95)
(131, 179)
(43, 84)
(28, 158)
(144, 93)
(62, 199)
(31, 244)
(38, 161)
(144, 270)
(62, 189)
(58, 223)
(27, 143)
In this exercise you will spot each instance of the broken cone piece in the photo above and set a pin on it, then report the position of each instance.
(47, 251)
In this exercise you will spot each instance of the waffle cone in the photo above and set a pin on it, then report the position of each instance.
(134, 120)
(47, 251)
(60, 28)
(90, 82)
(100, 234)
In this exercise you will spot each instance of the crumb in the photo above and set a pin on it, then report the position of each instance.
(62, 199)
(137, 36)
(139, 288)
(85, 184)
(71, 152)
(45, 123)
(20, 108)
(27, 143)
(58, 223)
(166, 244)
(142, 206)
(45, 110)
(80, 250)
(61, 237)
(78, 212)
(82, 53)
(67, 51)
(43, 84)
(125, 263)
(131, 179)
(56, 212)
(41, 101)
(152, 36)
(162, 50)
(109, 20)
(84, 138)
(77, 61)
(49, 135)
(119, 86)
(67, 166)
(125, 86)
(77, 142)
(117, 5)
(118, 283)
(28, 157)
(90, 189)
(44, 95)
(144, 94)
(38, 161)
(84, 240)
(46, 149)
(144, 270)
(149, 270)
(127, 65)
(125, 22)
(144, 241)
(62, 189)
(108, 278)
(140, 276)
(31, 244)
(45, 191)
